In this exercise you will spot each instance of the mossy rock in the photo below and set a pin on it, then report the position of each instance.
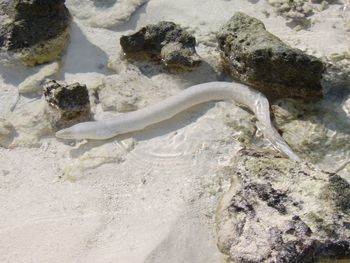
(35, 31)
(258, 58)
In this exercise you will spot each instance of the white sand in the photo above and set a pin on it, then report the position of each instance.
(145, 197)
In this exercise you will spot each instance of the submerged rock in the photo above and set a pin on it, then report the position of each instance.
(104, 13)
(114, 95)
(70, 104)
(279, 211)
(320, 132)
(35, 30)
(31, 123)
(7, 132)
(166, 41)
(298, 12)
(34, 83)
(260, 59)
(97, 156)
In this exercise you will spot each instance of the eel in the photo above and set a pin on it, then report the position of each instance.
(163, 110)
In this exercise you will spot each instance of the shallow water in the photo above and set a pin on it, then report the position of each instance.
(143, 197)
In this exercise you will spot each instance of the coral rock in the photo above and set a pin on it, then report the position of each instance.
(69, 103)
(279, 210)
(165, 41)
(36, 30)
(260, 59)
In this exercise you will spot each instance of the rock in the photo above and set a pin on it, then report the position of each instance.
(164, 41)
(97, 156)
(262, 60)
(104, 13)
(244, 125)
(70, 104)
(7, 132)
(279, 210)
(35, 30)
(31, 123)
(317, 130)
(34, 82)
(298, 12)
(127, 91)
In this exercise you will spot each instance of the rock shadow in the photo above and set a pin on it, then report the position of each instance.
(173, 124)
(336, 90)
(131, 24)
(15, 73)
(82, 56)
(200, 74)
(83, 148)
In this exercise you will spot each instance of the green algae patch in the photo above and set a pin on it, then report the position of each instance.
(266, 164)
(45, 51)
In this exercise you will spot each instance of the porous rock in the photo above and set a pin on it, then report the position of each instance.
(260, 59)
(279, 210)
(70, 104)
(35, 30)
(165, 41)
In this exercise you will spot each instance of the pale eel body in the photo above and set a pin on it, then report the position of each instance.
(163, 110)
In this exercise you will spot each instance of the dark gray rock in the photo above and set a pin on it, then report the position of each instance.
(70, 104)
(279, 210)
(260, 59)
(37, 29)
(164, 41)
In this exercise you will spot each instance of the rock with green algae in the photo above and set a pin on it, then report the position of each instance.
(279, 210)
(34, 31)
(165, 41)
(258, 58)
